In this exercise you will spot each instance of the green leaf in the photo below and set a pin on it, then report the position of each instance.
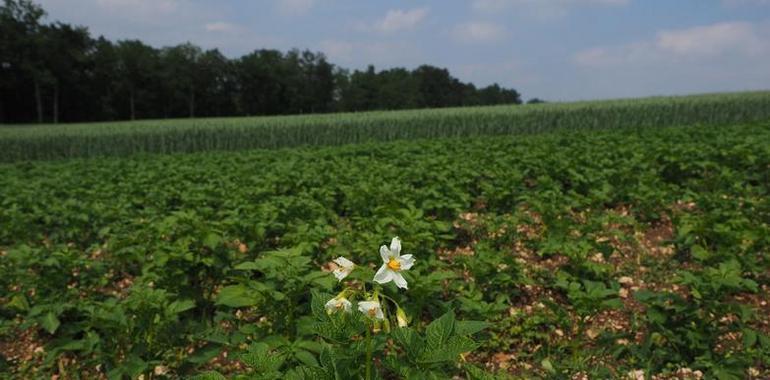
(409, 340)
(548, 366)
(476, 373)
(248, 265)
(749, 338)
(70, 345)
(210, 375)
(328, 361)
(423, 374)
(50, 322)
(262, 360)
(439, 331)
(237, 296)
(307, 373)
(449, 351)
(317, 304)
(212, 240)
(203, 355)
(613, 303)
(470, 327)
(305, 357)
(310, 345)
(18, 302)
(764, 340)
(134, 366)
(177, 307)
(700, 253)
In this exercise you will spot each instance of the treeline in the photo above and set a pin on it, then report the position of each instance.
(57, 72)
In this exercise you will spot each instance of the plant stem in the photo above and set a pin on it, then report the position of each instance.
(368, 353)
(577, 340)
(290, 323)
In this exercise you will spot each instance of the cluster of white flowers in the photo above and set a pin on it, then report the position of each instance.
(393, 263)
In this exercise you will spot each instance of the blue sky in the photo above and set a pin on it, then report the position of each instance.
(551, 49)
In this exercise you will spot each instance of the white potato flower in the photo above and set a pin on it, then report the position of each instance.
(372, 309)
(393, 264)
(344, 267)
(338, 303)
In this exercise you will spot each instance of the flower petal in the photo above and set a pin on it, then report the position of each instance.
(395, 246)
(331, 304)
(363, 306)
(383, 275)
(343, 262)
(399, 280)
(367, 306)
(346, 305)
(341, 273)
(385, 254)
(337, 303)
(406, 261)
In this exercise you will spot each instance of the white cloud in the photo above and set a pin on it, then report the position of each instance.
(222, 27)
(337, 51)
(398, 20)
(548, 5)
(727, 40)
(163, 23)
(728, 56)
(382, 54)
(737, 3)
(508, 72)
(727, 37)
(478, 32)
(295, 6)
(143, 19)
(140, 6)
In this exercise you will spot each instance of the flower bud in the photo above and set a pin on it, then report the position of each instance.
(401, 318)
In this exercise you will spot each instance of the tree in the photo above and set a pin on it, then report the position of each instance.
(65, 59)
(259, 77)
(494, 94)
(437, 87)
(137, 64)
(103, 93)
(216, 85)
(361, 93)
(317, 78)
(21, 45)
(399, 89)
(59, 70)
(181, 71)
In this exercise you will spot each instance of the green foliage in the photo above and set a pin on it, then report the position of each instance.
(588, 297)
(189, 261)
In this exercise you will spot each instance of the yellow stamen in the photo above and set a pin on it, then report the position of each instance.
(394, 264)
(372, 312)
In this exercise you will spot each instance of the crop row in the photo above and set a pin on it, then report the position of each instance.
(193, 135)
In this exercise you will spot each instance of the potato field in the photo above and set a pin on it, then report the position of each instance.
(600, 240)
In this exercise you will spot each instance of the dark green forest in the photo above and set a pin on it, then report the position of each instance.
(57, 72)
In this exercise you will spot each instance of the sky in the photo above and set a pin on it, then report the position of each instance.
(558, 50)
